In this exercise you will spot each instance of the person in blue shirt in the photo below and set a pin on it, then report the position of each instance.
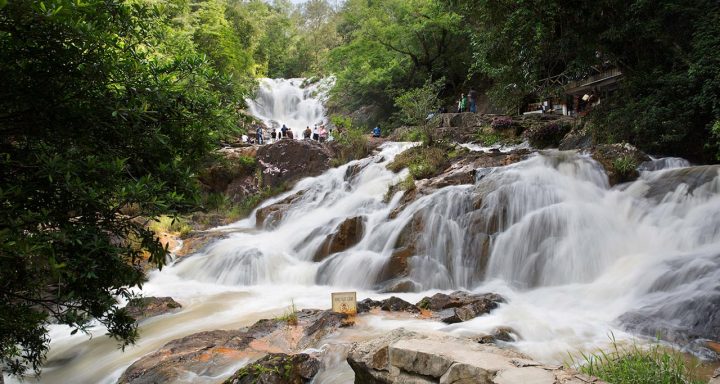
(376, 132)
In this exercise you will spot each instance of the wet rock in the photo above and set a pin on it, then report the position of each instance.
(576, 139)
(270, 216)
(691, 178)
(367, 304)
(397, 266)
(409, 357)
(396, 304)
(287, 161)
(211, 353)
(145, 307)
(400, 285)
(619, 160)
(233, 175)
(278, 368)
(347, 234)
(460, 306)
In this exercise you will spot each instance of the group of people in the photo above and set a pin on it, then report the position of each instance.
(317, 134)
(468, 103)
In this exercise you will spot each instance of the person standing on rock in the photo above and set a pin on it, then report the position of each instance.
(273, 136)
(259, 135)
(376, 132)
(290, 134)
(323, 134)
(472, 98)
(307, 133)
(315, 134)
(462, 103)
(283, 131)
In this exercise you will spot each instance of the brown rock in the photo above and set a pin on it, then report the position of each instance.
(347, 234)
(396, 304)
(270, 216)
(287, 161)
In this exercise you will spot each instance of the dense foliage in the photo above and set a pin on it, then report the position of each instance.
(105, 108)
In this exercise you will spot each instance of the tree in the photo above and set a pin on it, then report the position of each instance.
(393, 46)
(666, 50)
(105, 109)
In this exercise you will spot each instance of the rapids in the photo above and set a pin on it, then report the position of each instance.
(576, 259)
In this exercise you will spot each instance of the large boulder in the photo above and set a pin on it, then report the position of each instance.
(619, 160)
(408, 357)
(287, 161)
(346, 235)
(278, 368)
(232, 173)
(145, 307)
(212, 353)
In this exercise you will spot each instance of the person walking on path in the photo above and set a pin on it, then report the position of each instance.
(462, 104)
(472, 99)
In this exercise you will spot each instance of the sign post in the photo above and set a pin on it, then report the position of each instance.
(344, 302)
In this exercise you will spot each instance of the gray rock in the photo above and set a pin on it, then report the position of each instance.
(145, 307)
(409, 357)
(277, 368)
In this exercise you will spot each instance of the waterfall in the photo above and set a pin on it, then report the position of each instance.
(575, 258)
(296, 103)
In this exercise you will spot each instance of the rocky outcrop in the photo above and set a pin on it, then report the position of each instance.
(269, 217)
(278, 368)
(211, 353)
(346, 235)
(287, 161)
(548, 135)
(619, 160)
(408, 357)
(145, 307)
(391, 304)
(460, 306)
(691, 179)
(232, 174)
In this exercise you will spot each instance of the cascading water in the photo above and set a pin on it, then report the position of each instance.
(293, 102)
(575, 258)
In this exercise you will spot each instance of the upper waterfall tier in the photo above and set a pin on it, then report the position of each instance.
(291, 102)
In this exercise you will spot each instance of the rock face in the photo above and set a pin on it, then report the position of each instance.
(408, 357)
(460, 306)
(715, 378)
(146, 307)
(211, 353)
(278, 368)
(347, 234)
(392, 304)
(287, 161)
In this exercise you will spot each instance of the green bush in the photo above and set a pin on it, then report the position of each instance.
(422, 161)
(625, 167)
(351, 143)
(172, 225)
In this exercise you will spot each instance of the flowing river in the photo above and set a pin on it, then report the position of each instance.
(576, 259)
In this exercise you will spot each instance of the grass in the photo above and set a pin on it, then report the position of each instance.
(290, 315)
(488, 139)
(637, 365)
(172, 225)
(625, 166)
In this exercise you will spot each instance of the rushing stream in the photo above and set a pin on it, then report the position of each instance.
(576, 259)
